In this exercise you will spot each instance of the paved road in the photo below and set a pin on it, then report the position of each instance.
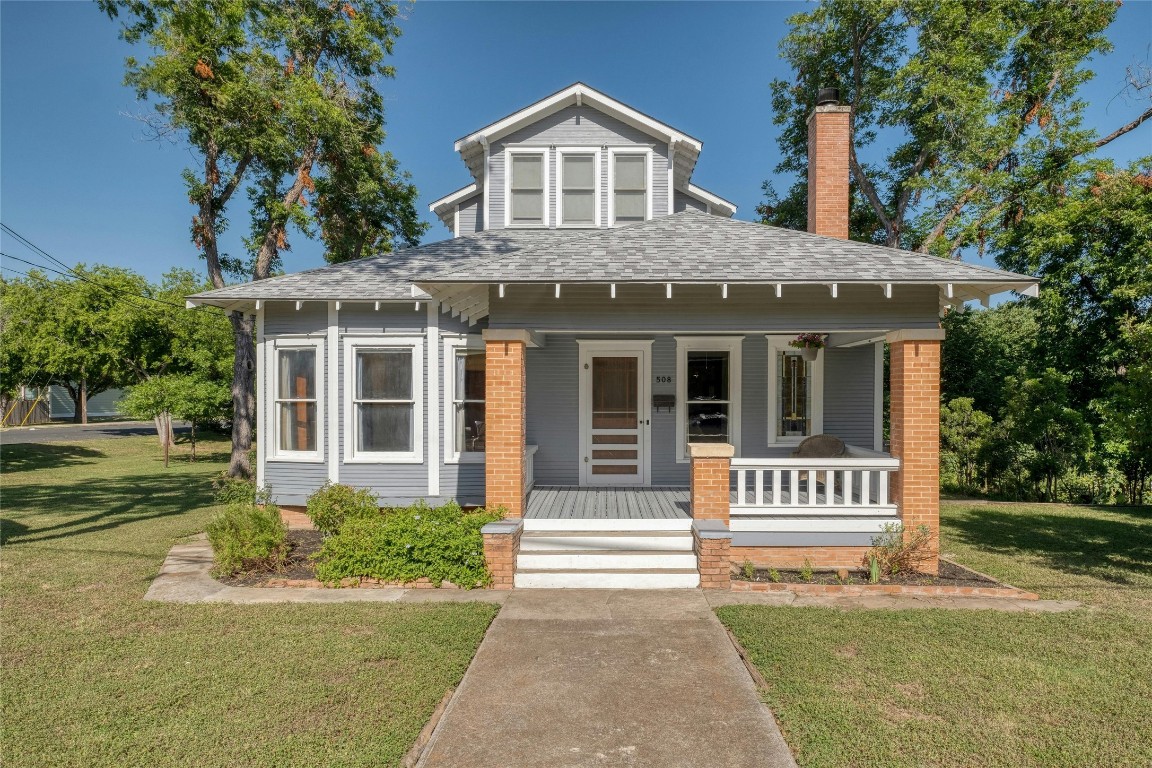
(71, 433)
(599, 678)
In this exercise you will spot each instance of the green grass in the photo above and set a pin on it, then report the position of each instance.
(94, 676)
(979, 688)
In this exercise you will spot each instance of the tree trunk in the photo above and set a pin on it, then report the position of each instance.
(164, 433)
(82, 402)
(243, 394)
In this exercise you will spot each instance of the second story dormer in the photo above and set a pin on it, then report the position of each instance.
(577, 159)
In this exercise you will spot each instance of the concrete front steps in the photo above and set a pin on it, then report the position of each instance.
(607, 554)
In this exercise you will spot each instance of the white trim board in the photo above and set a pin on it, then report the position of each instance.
(416, 345)
(452, 454)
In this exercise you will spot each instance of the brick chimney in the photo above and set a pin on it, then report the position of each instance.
(828, 137)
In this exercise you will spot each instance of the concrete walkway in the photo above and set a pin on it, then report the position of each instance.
(606, 678)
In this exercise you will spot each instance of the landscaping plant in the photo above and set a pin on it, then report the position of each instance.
(334, 504)
(246, 537)
(402, 545)
(893, 552)
(748, 569)
(806, 570)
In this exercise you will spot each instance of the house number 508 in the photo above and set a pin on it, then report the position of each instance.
(663, 379)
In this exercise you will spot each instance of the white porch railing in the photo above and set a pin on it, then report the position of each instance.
(854, 485)
(529, 467)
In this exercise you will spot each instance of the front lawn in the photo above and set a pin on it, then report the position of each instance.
(94, 676)
(979, 688)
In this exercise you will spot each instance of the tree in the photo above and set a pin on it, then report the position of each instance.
(964, 432)
(183, 397)
(1126, 411)
(975, 105)
(280, 98)
(1038, 417)
(984, 347)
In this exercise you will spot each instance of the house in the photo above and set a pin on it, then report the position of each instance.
(603, 352)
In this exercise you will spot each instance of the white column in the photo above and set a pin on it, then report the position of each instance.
(333, 392)
(432, 411)
(262, 399)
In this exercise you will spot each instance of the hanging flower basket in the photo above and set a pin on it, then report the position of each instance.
(809, 345)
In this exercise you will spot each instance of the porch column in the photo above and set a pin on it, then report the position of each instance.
(914, 357)
(505, 386)
(711, 480)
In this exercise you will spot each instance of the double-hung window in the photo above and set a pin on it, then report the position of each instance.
(708, 390)
(795, 393)
(630, 193)
(464, 363)
(527, 188)
(579, 188)
(384, 394)
(297, 396)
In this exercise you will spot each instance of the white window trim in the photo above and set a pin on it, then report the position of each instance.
(777, 344)
(275, 452)
(452, 453)
(611, 191)
(733, 346)
(597, 193)
(351, 345)
(509, 152)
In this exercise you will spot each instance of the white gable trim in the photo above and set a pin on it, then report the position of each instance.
(715, 202)
(578, 93)
(456, 197)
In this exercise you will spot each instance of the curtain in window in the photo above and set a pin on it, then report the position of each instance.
(579, 194)
(527, 189)
(296, 399)
(630, 183)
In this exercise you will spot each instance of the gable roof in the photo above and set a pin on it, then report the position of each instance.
(689, 247)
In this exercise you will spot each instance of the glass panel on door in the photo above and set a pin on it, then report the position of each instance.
(615, 438)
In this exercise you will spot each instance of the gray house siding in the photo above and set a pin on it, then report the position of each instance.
(849, 392)
(471, 216)
(576, 127)
(699, 308)
(682, 202)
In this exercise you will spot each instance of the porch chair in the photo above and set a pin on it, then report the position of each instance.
(820, 447)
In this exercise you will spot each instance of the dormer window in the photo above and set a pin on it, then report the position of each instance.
(526, 189)
(630, 187)
(579, 188)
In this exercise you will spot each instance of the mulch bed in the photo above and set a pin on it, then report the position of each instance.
(950, 575)
(302, 544)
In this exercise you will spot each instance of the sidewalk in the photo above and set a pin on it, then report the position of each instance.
(606, 678)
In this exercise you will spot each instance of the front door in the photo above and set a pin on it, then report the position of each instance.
(614, 414)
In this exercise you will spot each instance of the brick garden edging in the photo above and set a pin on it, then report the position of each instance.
(862, 590)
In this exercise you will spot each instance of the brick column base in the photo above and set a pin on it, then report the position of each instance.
(505, 388)
(296, 518)
(711, 480)
(501, 546)
(713, 543)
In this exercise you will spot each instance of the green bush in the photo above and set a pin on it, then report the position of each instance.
(246, 537)
(440, 544)
(236, 490)
(332, 505)
(894, 552)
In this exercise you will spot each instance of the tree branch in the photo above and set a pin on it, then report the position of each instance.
(1123, 129)
(269, 248)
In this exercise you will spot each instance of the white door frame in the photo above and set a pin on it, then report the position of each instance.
(590, 348)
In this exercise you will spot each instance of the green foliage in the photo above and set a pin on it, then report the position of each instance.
(440, 544)
(334, 504)
(246, 537)
(773, 575)
(748, 570)
(230, 490)
(957, 108)
(964, 434)
(806, 570)
(185, 397)
(873, 569)
(983, 348)
(895, 550)
(1126, 411)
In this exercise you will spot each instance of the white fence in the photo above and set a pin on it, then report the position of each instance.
(845, 486)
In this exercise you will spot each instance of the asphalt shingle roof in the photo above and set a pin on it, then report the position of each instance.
(684, 247)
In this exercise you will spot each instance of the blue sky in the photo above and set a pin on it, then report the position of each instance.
(78, 178)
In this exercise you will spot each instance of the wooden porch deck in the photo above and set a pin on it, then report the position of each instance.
(550, 502)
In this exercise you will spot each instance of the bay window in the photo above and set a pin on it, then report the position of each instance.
(383, 392)
(297, 384)
(527, 188)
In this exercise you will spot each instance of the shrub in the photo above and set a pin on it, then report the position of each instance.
(246, 537)
(806, 570)
(237, 490)
(892, 553)
(333, 505)
(440, 544)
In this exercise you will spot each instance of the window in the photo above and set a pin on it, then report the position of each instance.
(795, 393)
(629, 188)
(579, 198)
(297, 416)
(383, 385)
(708, 391)
(464, 361)
(526, 189)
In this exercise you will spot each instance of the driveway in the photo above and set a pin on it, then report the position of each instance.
(606, 678)
(70, 433)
